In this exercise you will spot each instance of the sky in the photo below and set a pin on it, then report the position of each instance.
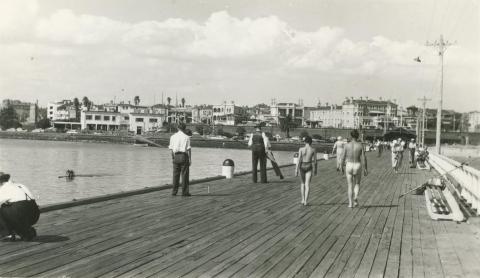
(248, 52)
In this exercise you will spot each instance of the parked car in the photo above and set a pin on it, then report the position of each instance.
(51, 129)
(38, 130)
(21, 130)
(72, 131)
(11, 129)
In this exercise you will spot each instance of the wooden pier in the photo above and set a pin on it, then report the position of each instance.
(241, 229)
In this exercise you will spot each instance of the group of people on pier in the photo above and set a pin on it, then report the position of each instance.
(19, 211)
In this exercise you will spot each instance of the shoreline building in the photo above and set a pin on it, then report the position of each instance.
(202, 114)
(228, 114)
(179, 114)
(328, 116)
(61, 110)
(123, 117)
(368, 113)
(354, 113)
(279, 111)
(27, 112)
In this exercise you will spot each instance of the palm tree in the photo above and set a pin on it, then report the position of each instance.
(169, 99)
(183, 102)
(86, 102)
(136, 100)
(76, 104)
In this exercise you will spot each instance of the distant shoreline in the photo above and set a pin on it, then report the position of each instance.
(116, 139)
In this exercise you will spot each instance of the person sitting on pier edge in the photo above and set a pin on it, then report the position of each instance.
(259, 143)
(181, 159)
(354, 156)
(18, 210)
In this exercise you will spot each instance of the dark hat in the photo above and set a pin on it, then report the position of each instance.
(4, 177)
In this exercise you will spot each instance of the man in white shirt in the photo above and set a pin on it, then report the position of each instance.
(260, 146)
(181, 158)
(18, 209)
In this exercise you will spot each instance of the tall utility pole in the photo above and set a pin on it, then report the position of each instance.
(422, 132)
(442, 46)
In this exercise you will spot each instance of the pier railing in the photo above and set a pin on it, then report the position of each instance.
(466, 177)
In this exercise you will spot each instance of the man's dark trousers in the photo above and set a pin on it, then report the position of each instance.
(259, 156)
(180, 170)
(412, 156)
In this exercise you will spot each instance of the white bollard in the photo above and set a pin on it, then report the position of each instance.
(228, 168)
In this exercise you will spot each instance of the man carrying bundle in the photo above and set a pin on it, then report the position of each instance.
(259, 144)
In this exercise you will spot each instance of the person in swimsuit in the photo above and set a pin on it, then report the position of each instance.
(307, 164)
(353, 155)
(339, 146)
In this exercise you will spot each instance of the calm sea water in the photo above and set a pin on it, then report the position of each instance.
(37, 164)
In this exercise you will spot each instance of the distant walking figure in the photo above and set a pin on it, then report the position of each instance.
(339, 146)
(354, 154)
(412, 147)
(181, 159)
(306, 165)
(379, 146)
(259, 144)
(395, 148)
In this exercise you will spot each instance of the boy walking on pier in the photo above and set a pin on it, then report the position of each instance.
(181, 159)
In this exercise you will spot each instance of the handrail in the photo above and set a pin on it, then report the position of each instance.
(467, 177)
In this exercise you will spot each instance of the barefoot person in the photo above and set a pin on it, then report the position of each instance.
(306, 166)
(339, 146)
(354, 155)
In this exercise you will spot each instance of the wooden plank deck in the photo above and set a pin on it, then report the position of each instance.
(241, 229)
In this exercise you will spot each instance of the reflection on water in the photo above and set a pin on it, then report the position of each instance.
(38, 164)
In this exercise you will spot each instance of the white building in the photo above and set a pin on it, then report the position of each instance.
(370, 113)
(138, 119)
(202, 114)
(474, 121)
(279, 111)
(228, 114)
(331, 116)
(61, 110)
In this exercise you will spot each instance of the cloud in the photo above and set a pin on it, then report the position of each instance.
(65, 26)
(264, 40)
(98, 52)
(17, 18)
